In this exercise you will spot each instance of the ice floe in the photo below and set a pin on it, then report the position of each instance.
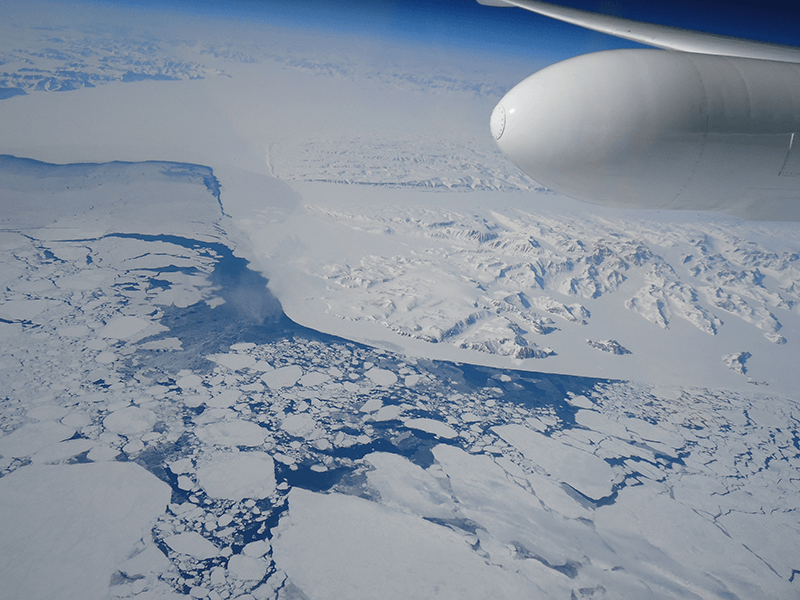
(282, 377)
(69, 526)
(232, 433)
(336, 546)
(582, 471)
(193, 544)
(237, 476)
(437, 428)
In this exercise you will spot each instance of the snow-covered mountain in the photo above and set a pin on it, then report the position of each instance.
(537, 278)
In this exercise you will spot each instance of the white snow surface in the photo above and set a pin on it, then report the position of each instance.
(237, 476)
(579, 469)
(437, 428)
(67, 527)
(336, 546)
(193, 544)
(382, 377)
(299, 425)
(233, 360)
(32, 437)
(235, 432)
(282, 377)
(124, 327)
(130, 420)
(247, 568)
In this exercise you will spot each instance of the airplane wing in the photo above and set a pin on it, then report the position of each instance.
(659, 36)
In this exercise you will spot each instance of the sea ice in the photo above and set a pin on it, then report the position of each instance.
(406, 487)
(433, 426)
(282, 377)
(387, 413)
(185, 483)
(123, 328)
(774, 538)
(190, 382)
(130, 420)
(597, 421)
(411, 380)
(507, 511)
(76, 331)
(299, 424)
(581, 470)
(170, 343)
(232, 433)
(381, 376)
(313, 378)
(257, 549)
(23, 310)
(235, 476)
(180, 466)
(46, 412)
(681, 554)
(371, 405)
(106, 357)
(32, 437)
(224, 399)
(334, 546)
(247, 568)
(67, 527)
(193, 544)
(233, 360)
(147, 562)
(62, 451)
(493, 280)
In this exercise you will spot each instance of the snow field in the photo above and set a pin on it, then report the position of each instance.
(518, 283)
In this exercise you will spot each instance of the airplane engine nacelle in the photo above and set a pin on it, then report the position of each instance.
(660, 129)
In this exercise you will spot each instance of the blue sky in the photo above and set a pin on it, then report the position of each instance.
(465, 23)
(466, 19)
(767, 19)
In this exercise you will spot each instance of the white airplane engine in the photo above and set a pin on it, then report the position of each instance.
(660, 129)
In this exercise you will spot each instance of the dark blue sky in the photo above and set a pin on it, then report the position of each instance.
(767, 19)
(465, 23)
